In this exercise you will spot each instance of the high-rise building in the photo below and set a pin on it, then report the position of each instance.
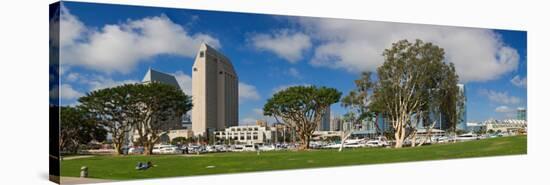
(215, 92)
(160, 77)
(461, 108)
(324, 124)
(336, 124)
(521, 114)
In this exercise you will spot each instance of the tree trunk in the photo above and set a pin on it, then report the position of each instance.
(398, 142)
(307, 142)
(118, 148)
(413, 139)
(343, 139)
(304, 142)
(148, 148)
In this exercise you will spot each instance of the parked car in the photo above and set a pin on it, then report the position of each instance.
(267, 148)
(220, 148)
(237, 148)
(249, 147)
(166, 149)
(211, 148)
(136, 150)
(376, 143)
(442, 139)
(354, 145)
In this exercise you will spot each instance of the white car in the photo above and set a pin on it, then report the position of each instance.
(166, 149)
(376, 143)
(441, 139)
(237, 148)
(214, 148)
(467, 137)
(267, 148)
(332, 146)
(136, 150)
(249, 148)
(354, 145)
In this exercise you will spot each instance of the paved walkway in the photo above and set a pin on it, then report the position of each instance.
(77, 180)
(77, 157)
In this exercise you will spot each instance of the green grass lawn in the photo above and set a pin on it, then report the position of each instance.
(119, 168)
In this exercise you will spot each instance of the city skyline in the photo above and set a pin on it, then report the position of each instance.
(273, 52)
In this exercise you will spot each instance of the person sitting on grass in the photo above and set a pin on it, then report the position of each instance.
(144, 166)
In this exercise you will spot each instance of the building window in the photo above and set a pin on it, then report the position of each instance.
(194, 69)
(202, 54)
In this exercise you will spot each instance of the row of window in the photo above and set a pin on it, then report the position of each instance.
(243, 138)
(245, 129)
(237, 133)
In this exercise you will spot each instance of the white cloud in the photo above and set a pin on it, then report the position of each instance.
(71, 77)
(67, 92)
(248, 121)
(506, 112)
(518, 81)
(283, 87)
(96, 82)
(247, 92)
(503, 109)
(285, 44)
(500, 97)
(119, 47)
(258, 111)
(478, 54)
(294, 72)
(70, 29)
(184, 81)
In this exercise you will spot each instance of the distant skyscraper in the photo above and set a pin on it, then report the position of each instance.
(335, 124)
(324, 124)
(461, 108)
(521, 114)
(214, 91)
(160, 77)
(443, 122)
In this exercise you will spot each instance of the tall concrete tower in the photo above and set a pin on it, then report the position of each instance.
(324, 124)
(215, 92)
(461, 108)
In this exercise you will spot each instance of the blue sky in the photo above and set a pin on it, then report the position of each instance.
(108, 45)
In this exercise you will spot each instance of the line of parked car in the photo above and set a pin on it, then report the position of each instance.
(354, 143)
(192, 149)
(350, 143)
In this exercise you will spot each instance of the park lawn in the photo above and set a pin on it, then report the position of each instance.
(120, 168)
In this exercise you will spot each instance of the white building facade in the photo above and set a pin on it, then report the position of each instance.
(506, 126)
(253, 134)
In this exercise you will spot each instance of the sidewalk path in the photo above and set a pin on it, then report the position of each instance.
(77, 180)
(77, 157)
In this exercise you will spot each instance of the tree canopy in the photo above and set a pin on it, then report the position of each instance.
(301, 107)
(148, 109)
(413, 83)
(78, 129)
(157, 108)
